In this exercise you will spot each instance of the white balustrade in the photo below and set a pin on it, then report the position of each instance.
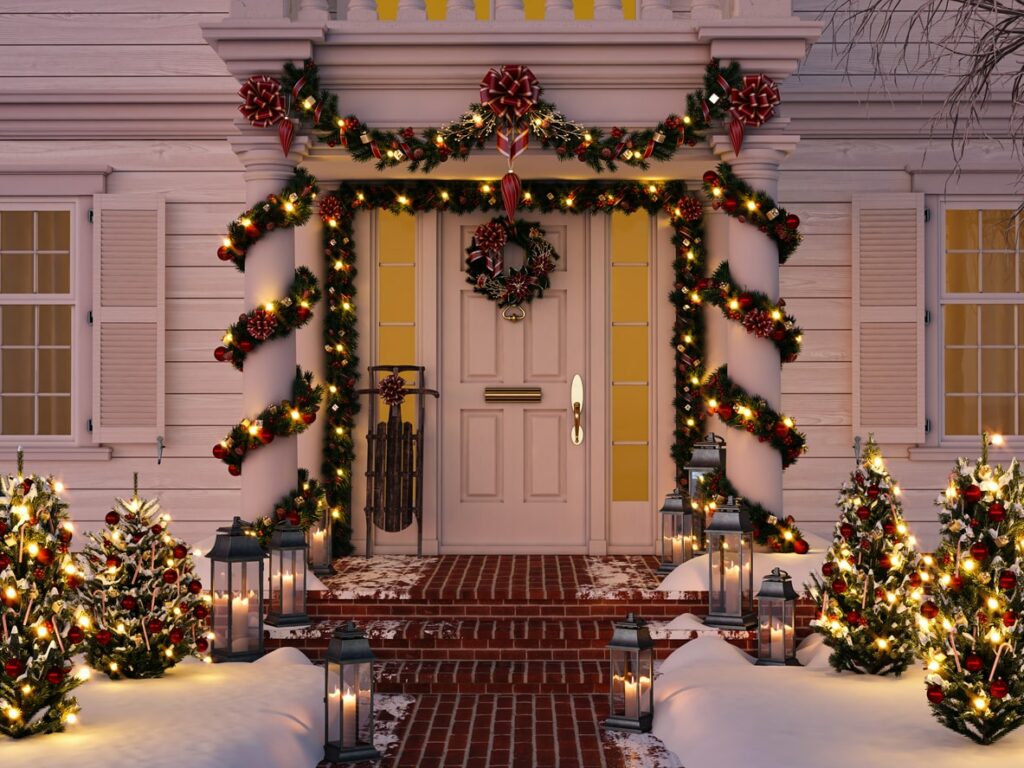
(362, 10)
(412, 10)
(608, 10)
(313, 10)
(655, 9)
(559, 10)
(508, 10)
(460, 10)
(705, 10)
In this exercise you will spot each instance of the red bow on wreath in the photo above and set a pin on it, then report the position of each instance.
(262, 104)
(490, 239)
(753, 104)
(510, 92)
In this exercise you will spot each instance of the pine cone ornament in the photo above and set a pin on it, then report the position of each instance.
(691, 208)
(392, 389)
(262, 103)
(330, 208)
(758, 322)
(261, 324)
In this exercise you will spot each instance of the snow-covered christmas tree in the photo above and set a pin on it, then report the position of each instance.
(143, 596)
(870, 582)
(39, 621)
(970, 627)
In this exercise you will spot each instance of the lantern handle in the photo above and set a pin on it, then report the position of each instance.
(856, 449)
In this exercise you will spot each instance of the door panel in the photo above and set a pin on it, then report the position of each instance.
(512, 481)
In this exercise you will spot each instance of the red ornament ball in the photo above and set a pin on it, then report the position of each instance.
(827, 569)
(935, 694)
(979, 551)
(889, 527)
(914, 580)
(730, 204)
(157, 529)
(176, 636)
(999, 689)
(200, 612)
(5, 561)
(55, 676)
(863, 513)
(973, 662)
(1007, 580)
(103, 637)
(725, 411)
(234, 469)
(801, 547)
(113, 561)
(14, 668)
(39, 574)
(884, 562)
(129, 603)
(202, 645)
(112, 518)
(220, 354)
(956, 582)
(45, 556)
(846, 531)
(154, 626)
(224, 253)
(1009, 618)
(839, 586)
(792, 220)
(853, 617)
(195, 586)
(929, 609)
(711, 178)
(245, 345)
(972, 494)
(219, 452)
(75, 635)
(996, 512)
(180, 551)
(873, 492)
(170, 576)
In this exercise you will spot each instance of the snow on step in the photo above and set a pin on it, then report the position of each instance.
(381, 577)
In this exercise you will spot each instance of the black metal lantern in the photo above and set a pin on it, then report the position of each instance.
(631, 695)
(288, 556)
(682, 531)
(348, 697)
(236, 587)
(731, 567)
(708, 454)
(318, 539)
(776, 615)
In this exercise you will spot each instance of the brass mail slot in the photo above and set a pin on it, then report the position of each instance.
(512, 394)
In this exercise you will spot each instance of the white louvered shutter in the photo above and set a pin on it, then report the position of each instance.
(128, 318)
(888, 317)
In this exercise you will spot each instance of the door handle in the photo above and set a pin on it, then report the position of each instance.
(576, 397)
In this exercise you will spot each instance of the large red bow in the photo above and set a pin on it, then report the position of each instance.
(752, 105)
(262, 104)
(510, 92)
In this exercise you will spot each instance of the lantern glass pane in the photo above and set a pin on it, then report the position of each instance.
(244, 608)
(645, 669)
(318, 552)
(356, 723)
(365, 703)
(275, 581)
(219, 614)
(334, 704)
(746, 546)
(727, 585)
(694, 484)
(677, 539)
(300, 566)
(621, 668)
(789, 625)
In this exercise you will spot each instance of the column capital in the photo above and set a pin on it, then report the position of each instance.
(759, 160)
(259, 151)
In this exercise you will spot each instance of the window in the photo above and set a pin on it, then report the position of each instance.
(36, 302)
(982, 305)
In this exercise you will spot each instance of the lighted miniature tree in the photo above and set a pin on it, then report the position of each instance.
(969, 627)
(870, 582)
(142, 594)
(39, 583)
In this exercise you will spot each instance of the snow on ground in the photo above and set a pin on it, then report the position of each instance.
(642, 750)
(692, 576)
(615, 579)
(267, 714)
(384, 577)
(715, 709)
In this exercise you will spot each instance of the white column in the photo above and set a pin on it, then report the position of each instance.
(559, 10)
(608, 10)
(655, 9)
(270, 471)
(716, 326)
(460, 10)
(755, 468)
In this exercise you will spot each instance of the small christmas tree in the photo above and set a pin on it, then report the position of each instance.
(870, 583)
(969, 627)
(39, 621)
(144, 598)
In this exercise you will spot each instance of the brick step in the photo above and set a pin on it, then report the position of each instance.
(462, 676)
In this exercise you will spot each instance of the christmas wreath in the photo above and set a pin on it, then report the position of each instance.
(485, 264)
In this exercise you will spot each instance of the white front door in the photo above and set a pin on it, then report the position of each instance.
(512, 478)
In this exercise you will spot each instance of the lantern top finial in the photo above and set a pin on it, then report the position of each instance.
(287, 535)
(632, 633)
(349, 645)
(777, 585)
(233, 543)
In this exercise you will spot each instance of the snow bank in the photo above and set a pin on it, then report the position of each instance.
(714, 709)
(692, 576)
(267, 714)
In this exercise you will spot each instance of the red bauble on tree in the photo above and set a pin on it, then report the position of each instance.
(972, 494)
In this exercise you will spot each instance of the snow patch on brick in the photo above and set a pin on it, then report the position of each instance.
(382, 577)
(618, 578)
(642, 750)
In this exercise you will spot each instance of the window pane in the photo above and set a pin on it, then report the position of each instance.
(997, 414)
(962, 273)
(961, 230)
(17, 415)
(55, 273)
(961, 415)
(997, 231)
(960, 323)
(962, 370)
(54, 231)
(997, 370)
(997, 324)
(18, 370)
(55, 325)
(18, 326)
(55, 370)
(16, 273)
(997, 272)
(16, 231)
(54, 415)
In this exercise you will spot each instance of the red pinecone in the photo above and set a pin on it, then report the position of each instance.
(261, 324)
(758, 322)
(330, 208)
(691, 208)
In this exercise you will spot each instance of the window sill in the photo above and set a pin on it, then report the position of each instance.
(55, 453)
(971, 451)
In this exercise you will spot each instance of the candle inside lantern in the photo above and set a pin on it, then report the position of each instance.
(629, 687)
(348, 718)
(287, 592)
(645, 688)
(334, 715)
(732, 589)
(317, 545)
(220, 619)
(239, 623)
(777, 641)
(677, 549)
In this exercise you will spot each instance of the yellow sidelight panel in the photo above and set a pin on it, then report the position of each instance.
(396, 345)
(629, 353)
(629, 473)
(397, 238)
(631, 237)
(397, 294)
(629, 294)
(629, 414)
